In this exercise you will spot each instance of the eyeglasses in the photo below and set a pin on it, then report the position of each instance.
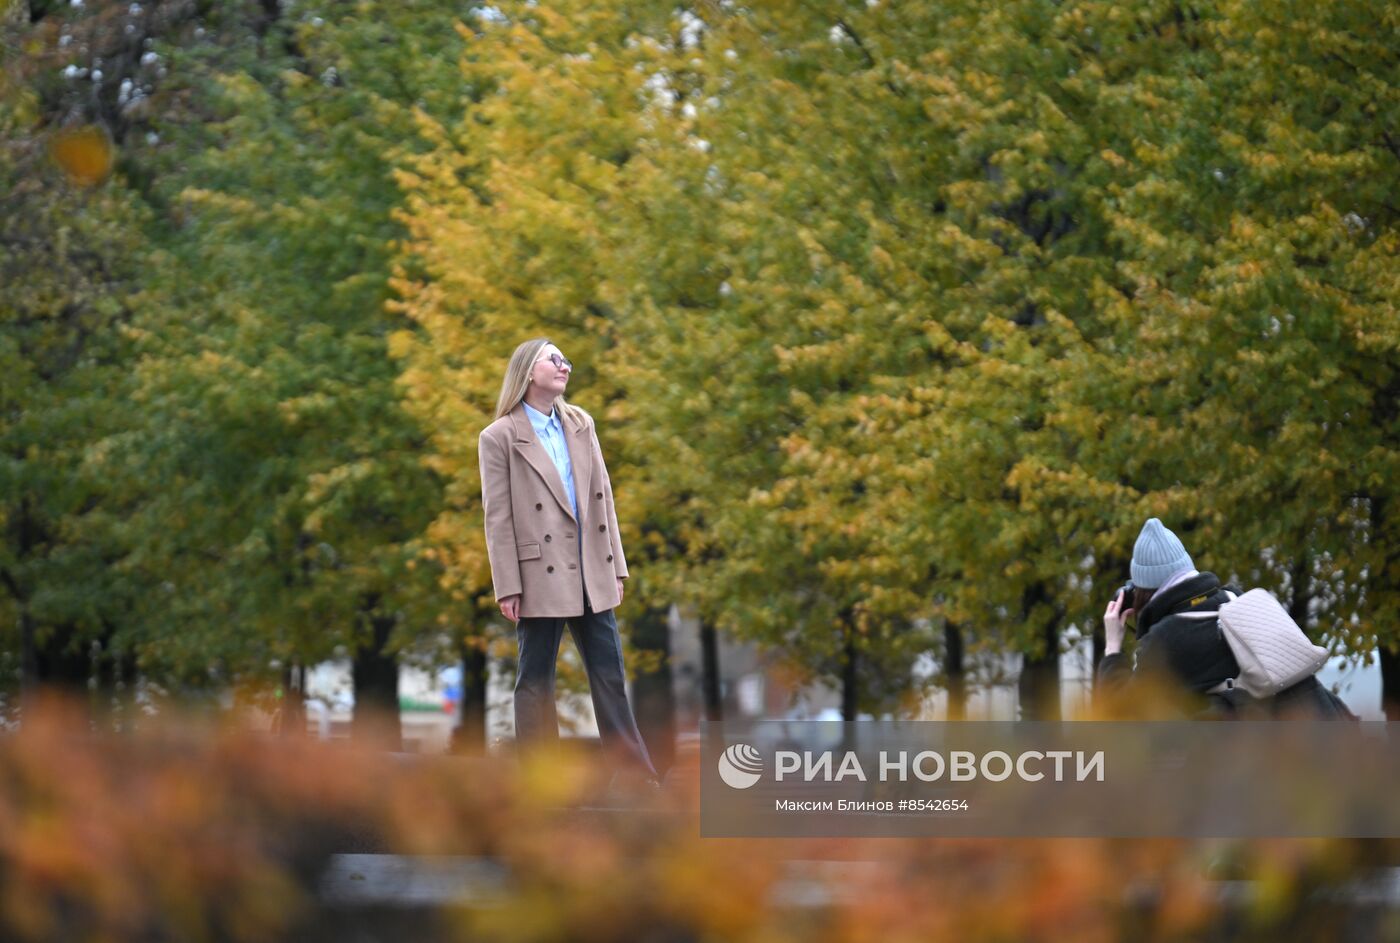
(560, 362)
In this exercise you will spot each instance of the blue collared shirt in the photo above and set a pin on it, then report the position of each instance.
(551, 436)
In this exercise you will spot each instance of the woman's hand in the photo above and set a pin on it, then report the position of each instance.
(1115, 624)
(510, 607)
(619, 592)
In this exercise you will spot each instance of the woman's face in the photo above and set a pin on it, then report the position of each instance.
(549, 377)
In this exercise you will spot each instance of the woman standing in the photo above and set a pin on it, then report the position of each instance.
(556, 556)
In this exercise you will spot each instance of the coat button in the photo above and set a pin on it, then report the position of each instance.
(599, 496)
(539, 507)
(609, 558)
(549, 569)
(602, 527)
(547, 538)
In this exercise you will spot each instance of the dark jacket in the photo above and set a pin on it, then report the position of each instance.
(1193, 652)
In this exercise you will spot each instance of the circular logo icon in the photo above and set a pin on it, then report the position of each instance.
(740, 766)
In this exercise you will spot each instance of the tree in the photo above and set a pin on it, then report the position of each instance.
(513, 217)
(70, 245)
(1279, 284)
(290, 491)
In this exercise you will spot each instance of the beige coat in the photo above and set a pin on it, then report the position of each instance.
(531, 534)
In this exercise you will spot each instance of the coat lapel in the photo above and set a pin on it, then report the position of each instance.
(531, 449)
(581, 458)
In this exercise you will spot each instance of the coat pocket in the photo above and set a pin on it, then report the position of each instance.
(529, 551)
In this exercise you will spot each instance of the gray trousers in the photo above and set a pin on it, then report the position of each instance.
(595, 635)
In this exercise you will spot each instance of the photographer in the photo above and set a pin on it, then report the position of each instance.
(1190, 653)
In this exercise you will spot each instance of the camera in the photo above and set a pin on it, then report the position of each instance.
(1126, 594)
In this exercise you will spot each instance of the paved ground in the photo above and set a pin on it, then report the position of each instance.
(405, 881)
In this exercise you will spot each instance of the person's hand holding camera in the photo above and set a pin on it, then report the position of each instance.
(1115, 623)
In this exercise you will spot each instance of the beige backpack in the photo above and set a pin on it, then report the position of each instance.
(1273, 653)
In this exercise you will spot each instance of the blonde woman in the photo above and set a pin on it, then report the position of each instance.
(556, 557)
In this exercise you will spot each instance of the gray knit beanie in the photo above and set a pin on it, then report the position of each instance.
(1157, 555)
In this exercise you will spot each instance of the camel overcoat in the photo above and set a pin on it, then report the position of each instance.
(532, 537)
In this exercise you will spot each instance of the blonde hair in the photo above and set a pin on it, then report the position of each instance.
(517, 382)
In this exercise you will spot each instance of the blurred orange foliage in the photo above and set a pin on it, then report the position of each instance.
(194, 831)
(85, 153)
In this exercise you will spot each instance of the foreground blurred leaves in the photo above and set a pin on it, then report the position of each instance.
(192, 832)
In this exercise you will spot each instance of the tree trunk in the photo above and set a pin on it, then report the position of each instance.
(114, 696)
(954, 671)
(850, 679)
(375, 675)
(1039, 684)
(291, 704)
(1390, 681)
(1387, 649)
(62, 664)
(28, 656)
(709, 673)
(1300, 590)
(654, 700)
(470, 736)
(60, 661)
